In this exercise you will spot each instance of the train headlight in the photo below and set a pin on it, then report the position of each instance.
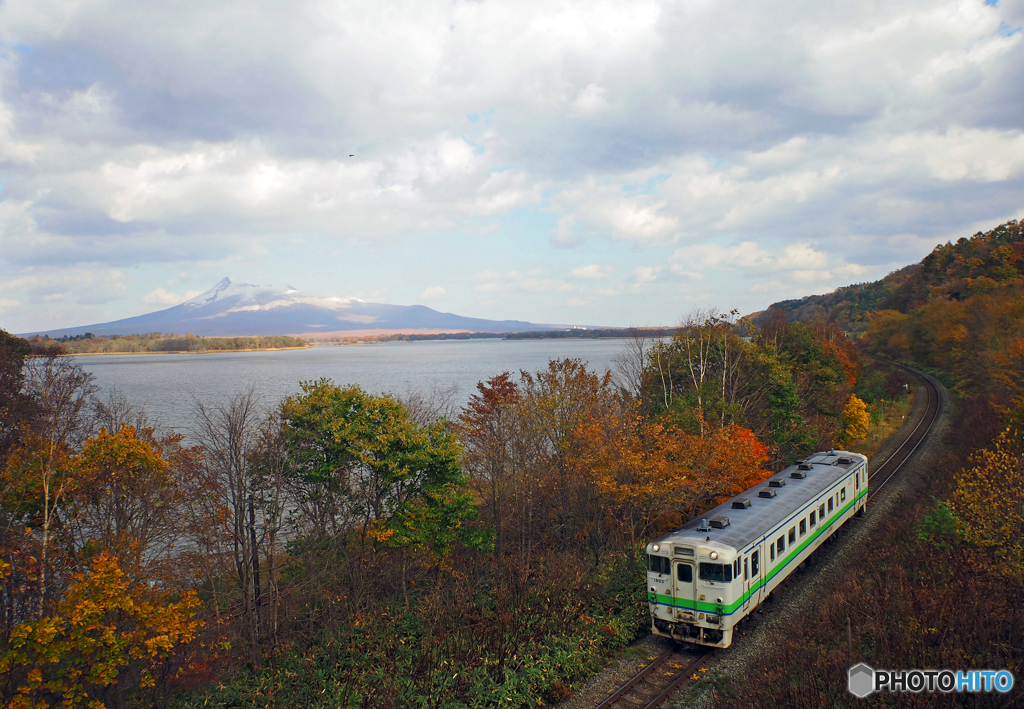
(714, 555)
(655, 547)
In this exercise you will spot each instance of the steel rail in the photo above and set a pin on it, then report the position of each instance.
(930, 415)
(645, 679)
(911, 434)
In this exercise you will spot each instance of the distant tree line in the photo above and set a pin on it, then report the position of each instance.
(157, 342)
(593, 333)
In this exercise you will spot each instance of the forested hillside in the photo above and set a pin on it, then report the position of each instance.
(343, 549)
(955, 552)
(983, 263)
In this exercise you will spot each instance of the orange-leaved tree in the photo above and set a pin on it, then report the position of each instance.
(727, 461)
(103, 629)
(635, 463)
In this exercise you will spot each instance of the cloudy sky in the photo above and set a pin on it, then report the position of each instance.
(612, 163)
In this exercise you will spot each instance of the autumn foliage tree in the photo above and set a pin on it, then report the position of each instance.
(366, 475)
(122, 498)
(856, 419)
(989, 502)
(103, 632)
(787, 383)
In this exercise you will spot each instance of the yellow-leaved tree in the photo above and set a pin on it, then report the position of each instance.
(989, 502)
(104, 628)
(856, 419)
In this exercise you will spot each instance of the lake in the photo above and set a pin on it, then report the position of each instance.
(167, 384)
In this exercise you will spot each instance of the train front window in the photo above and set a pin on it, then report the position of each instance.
(716, 572)
(658, 564)
(684, 572)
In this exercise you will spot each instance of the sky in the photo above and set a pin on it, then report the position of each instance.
(593, 163)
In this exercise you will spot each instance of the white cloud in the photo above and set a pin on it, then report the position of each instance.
(531, 282)
(163, 297)
(829, 137)
(592, 272)
(434, 293)
(592, 99)
(645, 274)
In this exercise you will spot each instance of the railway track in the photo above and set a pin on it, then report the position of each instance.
(891, 465)
(656, 682)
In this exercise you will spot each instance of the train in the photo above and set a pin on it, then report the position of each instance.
(712, 572)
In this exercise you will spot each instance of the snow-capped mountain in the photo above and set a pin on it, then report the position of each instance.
(245, 309)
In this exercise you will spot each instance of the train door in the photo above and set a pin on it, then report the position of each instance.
(746, 583)
(756, 569)
(685, 588)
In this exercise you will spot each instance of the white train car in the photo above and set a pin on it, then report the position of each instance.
(705, 577)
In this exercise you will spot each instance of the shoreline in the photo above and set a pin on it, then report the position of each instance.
(186, 352)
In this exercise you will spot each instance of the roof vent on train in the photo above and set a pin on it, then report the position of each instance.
(766, 492)
(777, 482)
(741, 503)
(703, 526)
(799, 474)
(844, 461)
(805, 466)
(720, 522)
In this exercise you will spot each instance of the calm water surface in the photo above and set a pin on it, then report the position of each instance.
(166, 384)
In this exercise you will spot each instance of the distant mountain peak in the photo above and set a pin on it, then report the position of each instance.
(248, 309)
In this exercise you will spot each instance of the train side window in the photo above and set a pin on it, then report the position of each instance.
(685, 573)
(792, 535)
(830, 504)
(736, 569)
(821, 511)
(771, 549)
(842, 494)
(746, 574)
(755, 569)
(856, 480)
(715, 572)
(803, 527)
(812, 519)
(781, 543)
